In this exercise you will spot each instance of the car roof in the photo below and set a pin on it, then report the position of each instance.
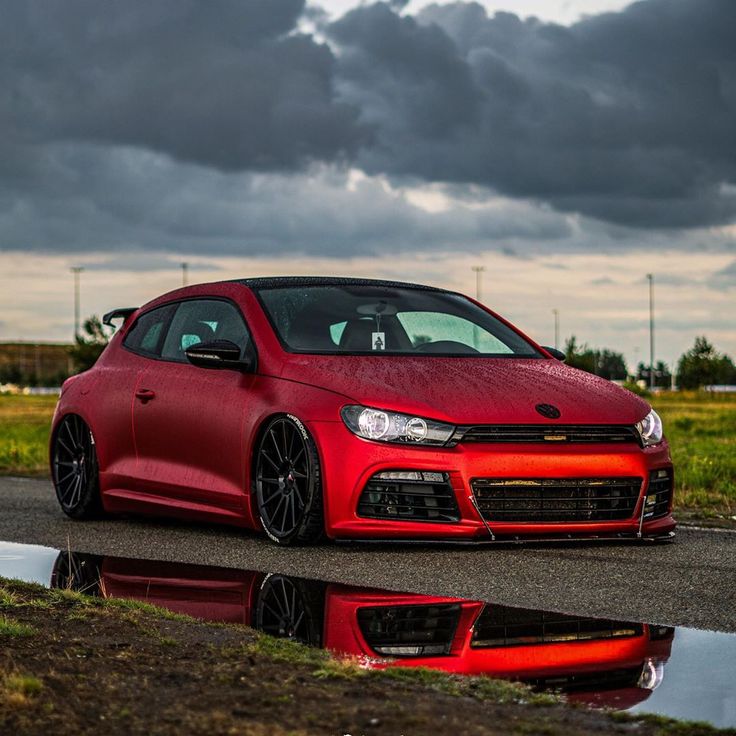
(280, 282)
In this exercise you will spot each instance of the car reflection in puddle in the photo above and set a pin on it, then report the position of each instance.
(601, 662)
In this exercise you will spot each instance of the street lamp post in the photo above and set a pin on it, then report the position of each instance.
(556, 313)
(650, 278)
(478, 281)
(76, 270)
(184, 274)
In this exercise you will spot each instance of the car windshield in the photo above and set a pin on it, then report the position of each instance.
(377, 319)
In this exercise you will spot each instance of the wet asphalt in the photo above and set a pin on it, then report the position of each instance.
(691, 582)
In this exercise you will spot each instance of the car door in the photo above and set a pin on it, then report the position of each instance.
(117, 375)
(188, 421)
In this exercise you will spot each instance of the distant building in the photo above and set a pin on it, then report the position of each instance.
(34, 363)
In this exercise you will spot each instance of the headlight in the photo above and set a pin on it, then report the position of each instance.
(652, 674)
(650, 429)
(388, 426)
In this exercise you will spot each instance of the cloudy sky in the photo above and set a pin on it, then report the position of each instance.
(569, 146)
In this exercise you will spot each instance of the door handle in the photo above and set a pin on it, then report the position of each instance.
(145, 394)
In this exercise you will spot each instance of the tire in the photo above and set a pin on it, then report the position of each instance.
(78, 572)
(288, 483)
(74, 469)
(291, 608)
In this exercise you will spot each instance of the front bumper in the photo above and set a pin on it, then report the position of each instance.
(349, 462)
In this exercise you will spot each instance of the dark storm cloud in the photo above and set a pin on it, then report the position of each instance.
(228, 84)
(96, 200)
(128, 125)
(628, 117)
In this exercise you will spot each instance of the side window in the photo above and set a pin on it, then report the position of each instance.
(146, 335)
(203, 320)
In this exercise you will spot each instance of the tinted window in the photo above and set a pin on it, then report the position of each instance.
(204, 320)
(146, 335)
(387, 319)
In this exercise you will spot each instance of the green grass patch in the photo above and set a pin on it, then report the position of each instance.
(12, 629)
(22, 684)
(25, 423)
(701, 429)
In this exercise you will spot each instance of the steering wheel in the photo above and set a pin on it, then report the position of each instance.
(446, 346)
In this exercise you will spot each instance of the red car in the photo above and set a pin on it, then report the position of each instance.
(354, 409)
(602, 662)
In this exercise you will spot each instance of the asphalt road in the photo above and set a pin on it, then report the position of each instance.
(691, 582)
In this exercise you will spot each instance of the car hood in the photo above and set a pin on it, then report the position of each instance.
(470, 390)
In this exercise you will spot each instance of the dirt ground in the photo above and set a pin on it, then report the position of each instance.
(75, 665)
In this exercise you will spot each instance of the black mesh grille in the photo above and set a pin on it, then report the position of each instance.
(549, 433)
(503, 626)
(409, 631)
(408, 500)
(660, 486)
(582, 681)
(552, 499)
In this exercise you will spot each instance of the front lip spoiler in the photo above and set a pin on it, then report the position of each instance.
(518, 541)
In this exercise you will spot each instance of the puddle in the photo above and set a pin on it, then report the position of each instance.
(624, 665)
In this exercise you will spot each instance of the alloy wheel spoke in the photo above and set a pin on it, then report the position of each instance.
(275, 445)
(272, 519)
(285, 445)
(68, 428)
(64, 446)
(61, 479)
(71, 490)
(268, 459)
(298, 621)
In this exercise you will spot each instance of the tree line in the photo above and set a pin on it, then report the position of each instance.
(700, 366)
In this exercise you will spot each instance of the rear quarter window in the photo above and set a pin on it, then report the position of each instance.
(147, 334)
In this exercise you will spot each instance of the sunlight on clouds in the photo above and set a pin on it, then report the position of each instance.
(602, 298)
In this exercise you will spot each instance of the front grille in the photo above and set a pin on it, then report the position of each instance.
(409, 500)
(553, 499)
(549, 433)
(659, 494)
(503, 626)
(409, 631)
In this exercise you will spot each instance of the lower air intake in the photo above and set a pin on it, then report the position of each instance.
(409, 631)
(409, 496)
(659, 494)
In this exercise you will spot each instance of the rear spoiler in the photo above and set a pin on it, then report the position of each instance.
(124, 312)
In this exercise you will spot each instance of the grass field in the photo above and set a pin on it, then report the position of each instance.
(701, 429)
(24, 434)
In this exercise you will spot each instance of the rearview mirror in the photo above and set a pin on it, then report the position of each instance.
(555, 353)
(217, 354)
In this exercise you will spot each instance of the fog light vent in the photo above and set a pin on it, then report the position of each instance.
(659, 494)
(409, 495)
(410, 630)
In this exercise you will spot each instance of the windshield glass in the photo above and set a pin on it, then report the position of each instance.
(368, 319)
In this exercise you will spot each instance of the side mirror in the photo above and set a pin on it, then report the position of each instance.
(555, 353)
(218, 354)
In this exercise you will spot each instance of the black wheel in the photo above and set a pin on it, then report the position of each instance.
(77, 571)
(287, 483)
(291, 608)
(74, 468)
